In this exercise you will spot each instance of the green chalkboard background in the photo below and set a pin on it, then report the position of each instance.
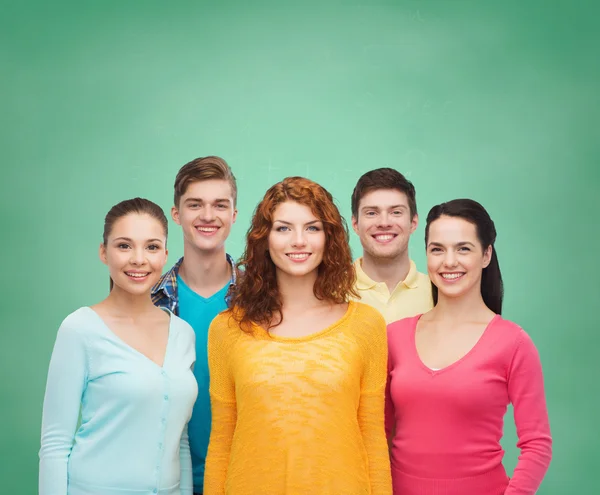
(497, 101)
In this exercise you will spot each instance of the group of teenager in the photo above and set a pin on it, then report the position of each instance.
(294, 370)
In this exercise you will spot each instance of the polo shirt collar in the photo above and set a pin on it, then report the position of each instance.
(364, 282)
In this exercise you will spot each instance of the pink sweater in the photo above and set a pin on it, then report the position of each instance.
(448, 423)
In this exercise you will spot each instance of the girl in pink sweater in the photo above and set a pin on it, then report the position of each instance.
(454, 370)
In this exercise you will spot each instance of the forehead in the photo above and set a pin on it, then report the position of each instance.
(452, 230)
(208, 190)
(383, 198)
(137, 226)
(292, 211)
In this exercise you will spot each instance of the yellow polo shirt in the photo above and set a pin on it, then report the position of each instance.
(412, 296)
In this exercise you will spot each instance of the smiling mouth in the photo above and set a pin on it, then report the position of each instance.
(384, 238)
(137, 275)
(207, 230)
(452, 276)
(298, 256)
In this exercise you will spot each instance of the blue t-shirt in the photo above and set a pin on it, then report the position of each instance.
(199, 313)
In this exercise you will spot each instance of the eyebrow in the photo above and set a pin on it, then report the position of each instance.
(463, 243)
(393, 207)
(131, 240)
(290, 223)
(200, 200)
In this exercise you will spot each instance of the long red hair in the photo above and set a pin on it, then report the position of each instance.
(256, 296)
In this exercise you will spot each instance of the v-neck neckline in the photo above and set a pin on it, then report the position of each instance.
(133, 349)
(472, 350)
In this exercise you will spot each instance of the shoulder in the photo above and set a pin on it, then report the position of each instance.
(423, 281)
(167, 281)
(181, 326)
(403, 326)
(224, 326)
(509, 332)
(511, 341)
(79, 321)
(77, 327)
(367, 327)
(366, 314)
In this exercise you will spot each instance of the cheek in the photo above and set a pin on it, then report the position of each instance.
(319, 242)
(365, 226)
(432, 263)
(274, 243)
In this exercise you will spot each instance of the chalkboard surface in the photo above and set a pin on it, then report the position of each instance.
(496, 101)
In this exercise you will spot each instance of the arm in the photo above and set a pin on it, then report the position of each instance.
(526, 393)
(390, 413)
(223, 408)
(186, 483)
(371, 408)
(186, 478)
(67, 377)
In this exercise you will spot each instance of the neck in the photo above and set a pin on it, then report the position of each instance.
(204, 268)
(467, 307)
(297, 292)
(122, 303)
(390, 271)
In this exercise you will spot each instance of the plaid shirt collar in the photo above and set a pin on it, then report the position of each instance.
(164, 293)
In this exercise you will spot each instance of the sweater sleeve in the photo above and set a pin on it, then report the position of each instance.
(67, 378)
(526, 393)
(371, 408)
(390, 413)
(223, 407)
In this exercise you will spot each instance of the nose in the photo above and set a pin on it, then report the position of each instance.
(383, 219)
(138, 256)
(450, 259)
(299, 239)
(207, 214)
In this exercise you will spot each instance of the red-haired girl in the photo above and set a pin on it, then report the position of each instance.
(297, 372)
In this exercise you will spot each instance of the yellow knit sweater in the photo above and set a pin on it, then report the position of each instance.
(299, 416)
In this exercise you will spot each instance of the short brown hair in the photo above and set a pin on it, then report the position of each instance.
(383, 178)
(256, 297)
(200, 169)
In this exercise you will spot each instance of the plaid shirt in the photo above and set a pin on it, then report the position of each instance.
(164, 293)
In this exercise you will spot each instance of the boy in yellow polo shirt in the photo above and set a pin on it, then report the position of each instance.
(384, 215)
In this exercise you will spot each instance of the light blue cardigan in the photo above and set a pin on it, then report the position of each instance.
(133, 434)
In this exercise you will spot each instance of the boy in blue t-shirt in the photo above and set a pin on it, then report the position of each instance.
(196, 287)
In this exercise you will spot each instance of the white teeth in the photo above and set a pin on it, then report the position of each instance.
(452, 276)
(207, 229)
(137, 275)
(384, 237)
(302, 256)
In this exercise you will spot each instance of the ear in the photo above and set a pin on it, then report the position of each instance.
(175, 215)
(354, 224)
(102, 253)
(234, 215)
(487, 256)
(414, 223)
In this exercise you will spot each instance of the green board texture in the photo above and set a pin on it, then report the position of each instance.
(496, 101)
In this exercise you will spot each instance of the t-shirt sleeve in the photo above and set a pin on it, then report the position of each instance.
(371, 407)
(67, 379)
(223, 406)
(526, 393)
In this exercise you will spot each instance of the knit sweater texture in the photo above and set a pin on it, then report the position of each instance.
(299, 416)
